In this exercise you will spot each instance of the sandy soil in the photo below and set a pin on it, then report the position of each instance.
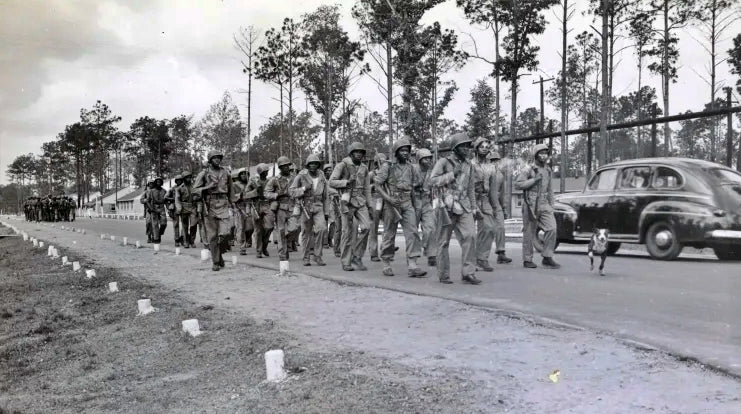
(367, 350)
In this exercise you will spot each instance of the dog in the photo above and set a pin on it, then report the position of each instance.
(598, 245)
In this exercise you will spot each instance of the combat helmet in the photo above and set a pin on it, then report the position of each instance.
(330, 166)
(235, 173)
(458, 139)
(479, 141)
(215, 153)
(540, 147)
(283, 160)
(186, 173)
(355, 146)
(494, 155)
(423, 153)
(401, 143)
(312, 158)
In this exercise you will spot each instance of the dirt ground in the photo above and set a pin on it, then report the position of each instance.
(67, 345)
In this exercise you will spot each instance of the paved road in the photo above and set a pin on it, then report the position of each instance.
(690, 307)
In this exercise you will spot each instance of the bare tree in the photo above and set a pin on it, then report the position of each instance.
(247, 41)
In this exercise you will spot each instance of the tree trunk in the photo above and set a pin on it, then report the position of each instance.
(665, 79)
(602, 153)
(564, 143)
(389, 93)
(714, 122)
(497, 110)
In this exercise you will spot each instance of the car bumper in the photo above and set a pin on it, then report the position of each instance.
(724, 235)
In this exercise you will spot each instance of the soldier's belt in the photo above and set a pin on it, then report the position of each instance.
(217, 195)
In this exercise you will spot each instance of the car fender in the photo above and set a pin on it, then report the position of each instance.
(565, 220)
(690, 220)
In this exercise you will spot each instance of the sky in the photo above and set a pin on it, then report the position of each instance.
(164, 58)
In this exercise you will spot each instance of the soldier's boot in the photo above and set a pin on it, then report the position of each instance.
(549, 263)
(414, 270)
(307, 261)
(484, 265)
(432, 261)
(471, 280)
(243, 252)
(215, 267)
(528, 264)
(502, 258)
(387, 270)
(357, 263)
(319, 261)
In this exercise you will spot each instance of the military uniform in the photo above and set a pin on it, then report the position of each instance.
(537, 209)
(376, 208)
(497, 195)
(276, 190)
(354, 201)
(185, 210)
(426, 218)
(397, 179)
(156, 210)
(335, 219)
(261, 214)
(242, 212)
(170, 205)
(312, 201)
(485, 229)
(214, 184)
(147, 217)
(454, 179)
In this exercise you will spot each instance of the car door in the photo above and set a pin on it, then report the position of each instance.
(631, 196)
(592, 204)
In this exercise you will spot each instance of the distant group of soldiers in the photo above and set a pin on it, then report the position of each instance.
(49, 208)
(342, 206)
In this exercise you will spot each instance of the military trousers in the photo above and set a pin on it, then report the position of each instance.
(263, 227)
(485, 232)
(216, 221)
(244, 227)
(408, 222)
(465, 231)
(377, 217)
(543, 220)
(427, 220)
(499, 232)
(189, 222)
(175, 225)
(355, 227)
(314, 228)
(158, 224)
(281, 221)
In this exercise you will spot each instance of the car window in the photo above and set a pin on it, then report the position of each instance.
(634, 177)
(667, 178)
(603, 180)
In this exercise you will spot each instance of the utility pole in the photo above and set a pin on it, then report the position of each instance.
(542, 106)
(729, 133)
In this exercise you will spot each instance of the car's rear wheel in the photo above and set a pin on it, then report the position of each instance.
(662, 242)
(612, 248)
(538, 243)
(727, 252)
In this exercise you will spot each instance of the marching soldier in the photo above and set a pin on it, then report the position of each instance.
(147, 217)
(260, 207)
(170, 205)
(242, 211)
(276, 190)
(309, 189)
(497, 196)
(350, 177)
(423, 205)
(537, 209)
(185, 210)
(485, 213)
(377, 209)
(200, 209)
(335, 221)
(394, 182)
(215, 186)
(156, 210)
(453, 176)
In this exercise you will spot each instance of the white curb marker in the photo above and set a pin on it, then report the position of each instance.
(274, 365)
(205, 255)
(90, 273)
(145, 306)
(113, 287)
(75, 266)
(191, 327)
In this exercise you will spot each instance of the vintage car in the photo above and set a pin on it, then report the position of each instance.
(664, 203)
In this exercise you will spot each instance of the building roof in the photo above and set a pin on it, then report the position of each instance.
(132, 195)
(110, 197)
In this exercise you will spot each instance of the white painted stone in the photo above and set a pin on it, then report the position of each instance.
(41, 245)
(113, 287)
(50, 251)
(274, 365)
(234, 260)
(83, 231)
(156, 247)
(145, 306)
(102, 236)
(113, 238)
(284, 267)
(191, 327)
(65, 262)
(25, 237)
(138, 244)
(75, 266)
(177, 251)
(90, 273)
(74, 242)
(205, 255)
(125, 241)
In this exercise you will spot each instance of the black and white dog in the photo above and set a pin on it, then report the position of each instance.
(598, 246)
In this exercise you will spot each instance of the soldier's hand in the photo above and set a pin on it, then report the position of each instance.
(538, 178)
(350, 182)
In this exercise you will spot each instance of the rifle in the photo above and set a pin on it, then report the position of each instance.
(443, 215)
(396, 212)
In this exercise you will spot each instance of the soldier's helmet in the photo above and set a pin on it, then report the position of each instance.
(401, 143)
(494, 155)
(186, 174)
(327, 166)
(313, 158)
(423, 153)
(355, 146)
(540, 147)
(178, 178)
(158, 179)
(479, 141)
(458, 139)
(212, 154)
(235, 173)
(380, 158)
(283, 160)
(261, 168)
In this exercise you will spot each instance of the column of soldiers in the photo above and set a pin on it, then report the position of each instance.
(49, 208)
(342, 207)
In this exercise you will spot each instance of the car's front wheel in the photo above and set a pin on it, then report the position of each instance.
(662, 242)
(727, 252)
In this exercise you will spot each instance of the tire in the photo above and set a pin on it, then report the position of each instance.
(727, 252)
(662, 242)
(612, 248)
(538, 242)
